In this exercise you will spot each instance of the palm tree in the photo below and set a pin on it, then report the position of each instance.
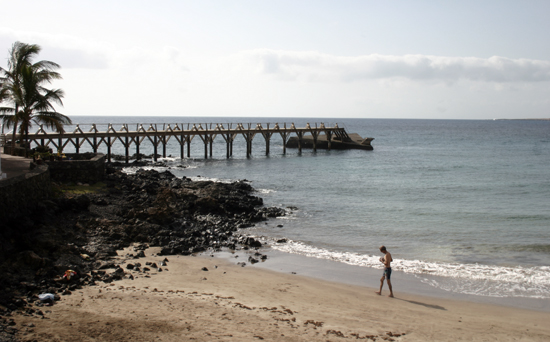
(35, 102)
(22, 85)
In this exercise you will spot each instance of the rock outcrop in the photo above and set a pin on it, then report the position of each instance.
(82, 233)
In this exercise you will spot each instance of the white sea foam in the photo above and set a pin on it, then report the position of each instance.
(217, 180)
(477, 279)
(265, 191)
(133, 169)
(286, 217)
(168, 159)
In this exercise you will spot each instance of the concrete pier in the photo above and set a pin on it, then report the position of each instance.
(355, 142)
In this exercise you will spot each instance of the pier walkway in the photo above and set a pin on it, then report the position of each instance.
(90, 135)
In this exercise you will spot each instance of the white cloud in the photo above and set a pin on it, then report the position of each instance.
(105, 78)
(66, 50)
(318, 67)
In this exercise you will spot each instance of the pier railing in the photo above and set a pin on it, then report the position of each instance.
(90, 135)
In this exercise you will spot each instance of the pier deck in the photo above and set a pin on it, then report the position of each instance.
(314, 136)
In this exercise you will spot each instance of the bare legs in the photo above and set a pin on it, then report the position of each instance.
(382, 284)
(389, 286)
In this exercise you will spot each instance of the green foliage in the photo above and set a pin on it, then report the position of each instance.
(71, 188)
(42, 149)
(22, 85)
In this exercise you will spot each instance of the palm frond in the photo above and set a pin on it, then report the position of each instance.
(22, 85)
(7, 110)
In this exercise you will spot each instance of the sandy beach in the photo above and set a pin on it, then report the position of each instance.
(210, 299)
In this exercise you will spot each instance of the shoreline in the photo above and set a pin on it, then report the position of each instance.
(231, 303)
(409, 284)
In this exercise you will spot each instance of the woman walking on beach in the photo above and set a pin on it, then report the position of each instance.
(386, 260)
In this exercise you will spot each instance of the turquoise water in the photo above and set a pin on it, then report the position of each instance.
(466, 201)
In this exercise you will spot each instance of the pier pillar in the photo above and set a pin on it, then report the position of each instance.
(267, 136)
(77, 145)
(205, 147)
(283, 135)
(314, 134)
(126, 145)
(155, 147)
(227, 138)
(138, 157)
(248, 139)
(164, 146)
(227, 148)
(109, 149)
(188, 146)
(231, 138)
(315, 143)
(211, 140)
(181, 147)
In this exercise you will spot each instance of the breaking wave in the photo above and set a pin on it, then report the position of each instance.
(475, 279)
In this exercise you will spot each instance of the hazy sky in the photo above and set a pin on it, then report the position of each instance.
(363, 59)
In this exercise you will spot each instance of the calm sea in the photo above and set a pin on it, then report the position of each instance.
(465, 201)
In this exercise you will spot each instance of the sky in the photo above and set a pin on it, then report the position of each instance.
(300, 58)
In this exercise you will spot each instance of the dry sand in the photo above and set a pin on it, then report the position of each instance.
(233, 303)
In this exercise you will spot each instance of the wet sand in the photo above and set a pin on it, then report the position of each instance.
(232, 303)
(365, 276)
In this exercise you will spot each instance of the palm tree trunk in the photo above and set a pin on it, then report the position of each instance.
(26, 142)
(13, 139)
(14, 130)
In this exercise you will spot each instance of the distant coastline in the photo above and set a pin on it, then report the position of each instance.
(541, 119)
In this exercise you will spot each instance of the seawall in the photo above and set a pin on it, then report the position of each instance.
(84, 168)
(21, 194)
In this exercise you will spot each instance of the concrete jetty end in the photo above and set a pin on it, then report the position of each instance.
(349, 142)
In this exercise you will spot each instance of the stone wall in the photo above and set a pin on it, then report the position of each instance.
(21, 194)
(19, 151)
(83, 168)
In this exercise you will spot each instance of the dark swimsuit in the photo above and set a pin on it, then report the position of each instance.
(387, 272)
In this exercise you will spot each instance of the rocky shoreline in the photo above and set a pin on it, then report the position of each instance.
(82, 233)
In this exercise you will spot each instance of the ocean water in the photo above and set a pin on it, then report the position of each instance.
(462, 205)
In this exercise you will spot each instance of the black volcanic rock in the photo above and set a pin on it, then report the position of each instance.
(82, 233)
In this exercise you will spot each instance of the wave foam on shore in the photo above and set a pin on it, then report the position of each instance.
(475, 279)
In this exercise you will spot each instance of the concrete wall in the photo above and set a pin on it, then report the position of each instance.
(19, 195)
(83, 168)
